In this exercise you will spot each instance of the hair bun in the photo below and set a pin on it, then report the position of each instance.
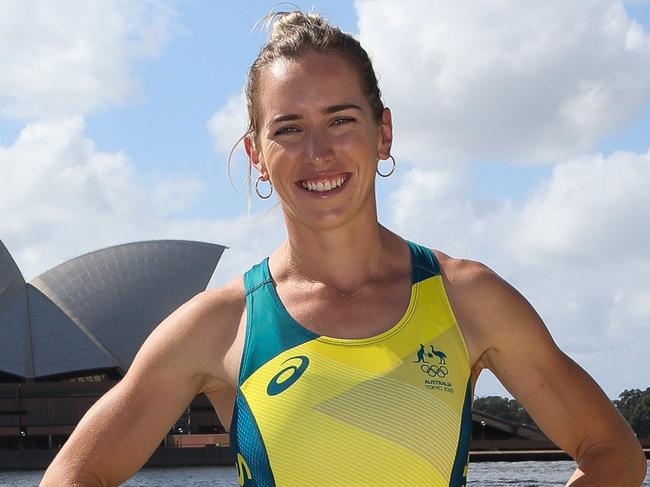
(283, 24)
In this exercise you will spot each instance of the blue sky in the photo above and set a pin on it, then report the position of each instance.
(521, 135)
(201, 67)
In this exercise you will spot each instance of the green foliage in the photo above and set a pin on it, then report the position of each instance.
(634, 405)
(504, 408)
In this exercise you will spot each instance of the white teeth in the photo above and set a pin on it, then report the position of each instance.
(323, 185)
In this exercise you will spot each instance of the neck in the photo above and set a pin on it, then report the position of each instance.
(345, 260)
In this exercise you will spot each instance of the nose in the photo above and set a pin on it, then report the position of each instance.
(319, 147)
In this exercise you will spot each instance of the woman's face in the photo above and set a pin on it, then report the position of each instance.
(318, 140)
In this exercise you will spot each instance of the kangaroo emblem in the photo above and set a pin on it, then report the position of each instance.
(442, 358)
(420, 354)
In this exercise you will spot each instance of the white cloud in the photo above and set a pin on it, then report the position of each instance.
(517, 80)
(577, 248)
(62, 197)
(226, 127)
(434, 206)
(591, 206)
(229, 123)
(250, 239)
(66, 58)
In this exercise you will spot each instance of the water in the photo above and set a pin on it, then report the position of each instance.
(522, 474)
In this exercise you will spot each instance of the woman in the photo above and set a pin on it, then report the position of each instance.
(349, 356)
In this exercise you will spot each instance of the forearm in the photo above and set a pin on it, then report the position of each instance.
(610, 466)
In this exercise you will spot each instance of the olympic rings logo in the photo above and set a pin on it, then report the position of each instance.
(434, 370)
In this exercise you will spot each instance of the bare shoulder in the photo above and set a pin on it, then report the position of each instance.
(474, 282)
(199, 334)
(470, 283)
(490, 311)
(212, 313)
(464, 272)
(219, 308)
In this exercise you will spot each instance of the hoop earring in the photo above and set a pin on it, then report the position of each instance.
(257, 188)
(392, 169)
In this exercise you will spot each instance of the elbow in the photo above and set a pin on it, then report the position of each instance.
(54, 479)
(621, 464)
(60, 474)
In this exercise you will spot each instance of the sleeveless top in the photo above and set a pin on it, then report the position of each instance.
(387, 410)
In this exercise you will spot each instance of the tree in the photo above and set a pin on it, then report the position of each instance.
(504, 408)
(634, 405)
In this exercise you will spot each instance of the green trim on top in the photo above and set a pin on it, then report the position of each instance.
(256, 277)
(458, 478)
(424, 262)
(268, 331)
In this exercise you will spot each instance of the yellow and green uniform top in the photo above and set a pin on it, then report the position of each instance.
(388, 410)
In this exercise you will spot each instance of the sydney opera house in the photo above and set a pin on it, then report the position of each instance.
(67, 336)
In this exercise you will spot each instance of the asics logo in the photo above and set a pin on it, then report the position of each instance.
(287, 376)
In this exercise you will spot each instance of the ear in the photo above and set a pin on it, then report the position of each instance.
(255, 157)
(385, 138)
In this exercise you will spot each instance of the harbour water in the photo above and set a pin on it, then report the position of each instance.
(521, 474)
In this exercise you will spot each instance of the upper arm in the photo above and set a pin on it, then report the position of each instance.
(181, 358)
(558, 394)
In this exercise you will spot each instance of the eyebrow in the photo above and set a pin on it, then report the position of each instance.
(341, 107)
(325, 110)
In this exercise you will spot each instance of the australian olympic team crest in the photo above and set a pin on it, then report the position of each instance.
(433, 363)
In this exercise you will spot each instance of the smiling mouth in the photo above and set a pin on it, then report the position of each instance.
(324, 184)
